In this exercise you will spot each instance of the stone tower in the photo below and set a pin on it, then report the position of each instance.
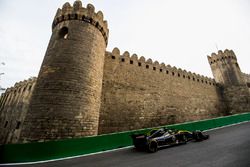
(228, 75)
(225, 68)
(66, 99)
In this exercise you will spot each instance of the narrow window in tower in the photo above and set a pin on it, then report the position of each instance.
(139, 64)
(18, 124)
(147, 66)
(131, 62)
(90, 20)
(173, 73)
(160, 70)
(154, 68)
(237, 65)
(113, 57)
(63, 33)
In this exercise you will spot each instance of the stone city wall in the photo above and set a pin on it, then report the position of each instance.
(139, 93)
(247, 79)
(136, 94)
(13, 108)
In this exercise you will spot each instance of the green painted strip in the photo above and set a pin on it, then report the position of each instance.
(31, 152)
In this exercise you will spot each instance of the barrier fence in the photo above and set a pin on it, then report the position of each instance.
(40, 151)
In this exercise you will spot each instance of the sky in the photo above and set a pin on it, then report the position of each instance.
(177, 32)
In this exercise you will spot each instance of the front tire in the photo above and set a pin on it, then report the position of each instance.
(152, 147)
(197, 136)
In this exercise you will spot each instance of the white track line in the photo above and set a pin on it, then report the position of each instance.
(59, 159)
(226, 126)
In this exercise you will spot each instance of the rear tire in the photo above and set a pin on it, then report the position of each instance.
(136, 146)
(184, 139)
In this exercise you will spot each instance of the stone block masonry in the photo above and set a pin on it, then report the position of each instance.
(138, 94)
(14, 105)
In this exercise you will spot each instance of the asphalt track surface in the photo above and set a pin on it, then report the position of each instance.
(227, 147)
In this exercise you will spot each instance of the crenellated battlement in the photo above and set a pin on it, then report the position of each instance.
(88, 15)
(158, 67)
(246, 75)
(22, 84)
(221, 56)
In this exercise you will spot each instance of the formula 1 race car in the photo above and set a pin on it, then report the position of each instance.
(162, 137)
